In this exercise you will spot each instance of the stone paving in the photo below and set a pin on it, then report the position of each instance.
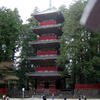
(47, 99)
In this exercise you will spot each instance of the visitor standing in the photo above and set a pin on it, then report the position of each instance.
(52, 96)
(7, 98)
(4, 97)
(65, 98)
(44, 97)
(79, 97)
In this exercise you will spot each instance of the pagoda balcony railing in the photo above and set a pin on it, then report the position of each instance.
(49, 52)
(49, 22)
(46, 68)
(50, 37)
(40, 30)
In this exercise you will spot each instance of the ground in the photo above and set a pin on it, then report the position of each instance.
(41, 99)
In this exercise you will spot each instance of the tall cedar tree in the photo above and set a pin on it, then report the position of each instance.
(25, 66)
(10, 30)
(80, 48)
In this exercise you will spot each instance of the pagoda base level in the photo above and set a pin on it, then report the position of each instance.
(50, 85)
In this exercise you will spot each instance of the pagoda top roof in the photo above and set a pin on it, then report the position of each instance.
(50, 57)
(49, 14)
(50, 10)
(48, 29)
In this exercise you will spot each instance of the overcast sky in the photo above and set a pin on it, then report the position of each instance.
(26, 7)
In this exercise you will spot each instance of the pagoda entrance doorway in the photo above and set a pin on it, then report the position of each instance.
(46, 84)
(58, 84)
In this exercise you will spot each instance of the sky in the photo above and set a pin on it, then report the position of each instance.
(26, 7)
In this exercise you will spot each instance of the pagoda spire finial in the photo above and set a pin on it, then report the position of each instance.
(50, 5)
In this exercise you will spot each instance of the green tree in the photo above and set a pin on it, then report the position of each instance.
(10, 30)
(79, 47)
(25, 66)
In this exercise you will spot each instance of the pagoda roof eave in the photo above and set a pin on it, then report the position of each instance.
(44, 74)
(44, 42)
(47, 26)
(48, 29)
(47, 15)
(50, 57)
(46, 12)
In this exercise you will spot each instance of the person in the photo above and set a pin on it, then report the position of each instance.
(84, 97)
(52, 96)
(34, 91)
(44, 97)
(65, 98)
(41, 97)
(7, 98)
(3, 97)
(79, 97)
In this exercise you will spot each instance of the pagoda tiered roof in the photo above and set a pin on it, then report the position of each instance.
(46, 44)
(37, 43)
(37, 58)
(44, 74)
(47, 74)
(48, 60)
(39, 30)
(48, 15)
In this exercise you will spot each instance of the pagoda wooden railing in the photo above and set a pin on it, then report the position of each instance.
(49, 52)
(50, 22)
(49, 37)
(46, 68)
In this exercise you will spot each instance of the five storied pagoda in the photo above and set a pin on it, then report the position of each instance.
(47, 75)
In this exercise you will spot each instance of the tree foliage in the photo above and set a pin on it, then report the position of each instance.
(80, 48)
(10, 30)
(25, 66)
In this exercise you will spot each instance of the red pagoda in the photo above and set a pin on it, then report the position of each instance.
(47, 75)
